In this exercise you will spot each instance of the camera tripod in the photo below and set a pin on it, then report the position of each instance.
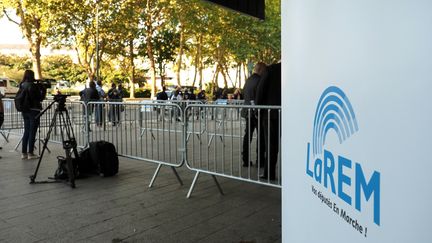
(61, 116)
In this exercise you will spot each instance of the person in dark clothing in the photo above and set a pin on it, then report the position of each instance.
(87, 95)
(192, 95)
(90, 93)
(99, 109)
(31, 123)
(201, 95)
(269, 93)
(114, 110)
(121, 96)
(121, 91)
(186, 95)
(249, 91)
(161, 96)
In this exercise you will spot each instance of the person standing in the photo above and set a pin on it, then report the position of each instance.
(249, 91)
(33, 97)
(201, 96)
(269, 93)
(121, 96)
(114, 110)
(99, 107)
(161, 96)
(121, 92)
(87, 95)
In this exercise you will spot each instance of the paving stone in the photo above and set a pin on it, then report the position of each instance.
(123, 209)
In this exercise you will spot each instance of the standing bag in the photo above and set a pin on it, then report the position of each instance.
(105, 156)
(86, 165)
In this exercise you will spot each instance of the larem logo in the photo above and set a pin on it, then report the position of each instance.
(335, 113)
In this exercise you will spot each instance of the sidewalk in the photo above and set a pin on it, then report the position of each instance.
(123, 209)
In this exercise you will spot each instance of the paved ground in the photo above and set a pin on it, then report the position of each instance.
(124, 209)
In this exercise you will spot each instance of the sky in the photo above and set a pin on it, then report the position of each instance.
(10, 33)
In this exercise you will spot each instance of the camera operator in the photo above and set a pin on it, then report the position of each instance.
(34, 96)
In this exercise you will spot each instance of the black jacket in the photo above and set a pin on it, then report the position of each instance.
(250, 88)
(269, 88)
(89, 94)
(35, 94)
(249, 92)
(162, 96)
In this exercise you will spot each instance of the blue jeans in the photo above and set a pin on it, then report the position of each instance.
(31, 125)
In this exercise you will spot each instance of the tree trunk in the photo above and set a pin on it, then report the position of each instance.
(33, 37)
(200, 63)
(239, 76)
(132, 66)
(36, 59)
(152, 61)
(180, 56)
(245, 73)
(238, 79)
(224, 75)
(197, 61)
(195, 72)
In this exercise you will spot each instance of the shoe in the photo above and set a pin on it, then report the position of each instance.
(24, 156)
(32, 156)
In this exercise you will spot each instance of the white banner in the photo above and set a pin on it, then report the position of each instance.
(357, 111)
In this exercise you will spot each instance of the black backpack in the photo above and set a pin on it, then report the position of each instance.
(86, 166)
(104, 155)
(22, 99)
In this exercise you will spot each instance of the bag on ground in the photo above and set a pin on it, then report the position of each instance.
(86, 165)
(62, 171)
(104, 154)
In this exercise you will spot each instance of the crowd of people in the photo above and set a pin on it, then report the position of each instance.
(95, 93)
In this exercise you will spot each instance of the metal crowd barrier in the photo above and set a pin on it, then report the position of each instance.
(76, 111)
(13, 122)
(148, 131)
(223, 156)
(208, 138)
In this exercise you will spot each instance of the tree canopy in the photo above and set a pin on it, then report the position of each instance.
(117, 34)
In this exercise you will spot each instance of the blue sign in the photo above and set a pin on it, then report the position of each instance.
(334, 112)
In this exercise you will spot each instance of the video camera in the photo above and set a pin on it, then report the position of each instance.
(60, 98)
(44, 83)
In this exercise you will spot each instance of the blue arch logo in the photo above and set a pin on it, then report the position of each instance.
(336, 172)
(334, 112)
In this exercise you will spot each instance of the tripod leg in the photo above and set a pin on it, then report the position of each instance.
(71, 169)
(69, 145)
(52, 125)
(18, 144)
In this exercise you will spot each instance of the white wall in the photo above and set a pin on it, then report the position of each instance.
(379, 53)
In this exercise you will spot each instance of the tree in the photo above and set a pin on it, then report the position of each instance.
(61, 67)
(34, 22)
(165, 44)
(154, 19)
(123, 34)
